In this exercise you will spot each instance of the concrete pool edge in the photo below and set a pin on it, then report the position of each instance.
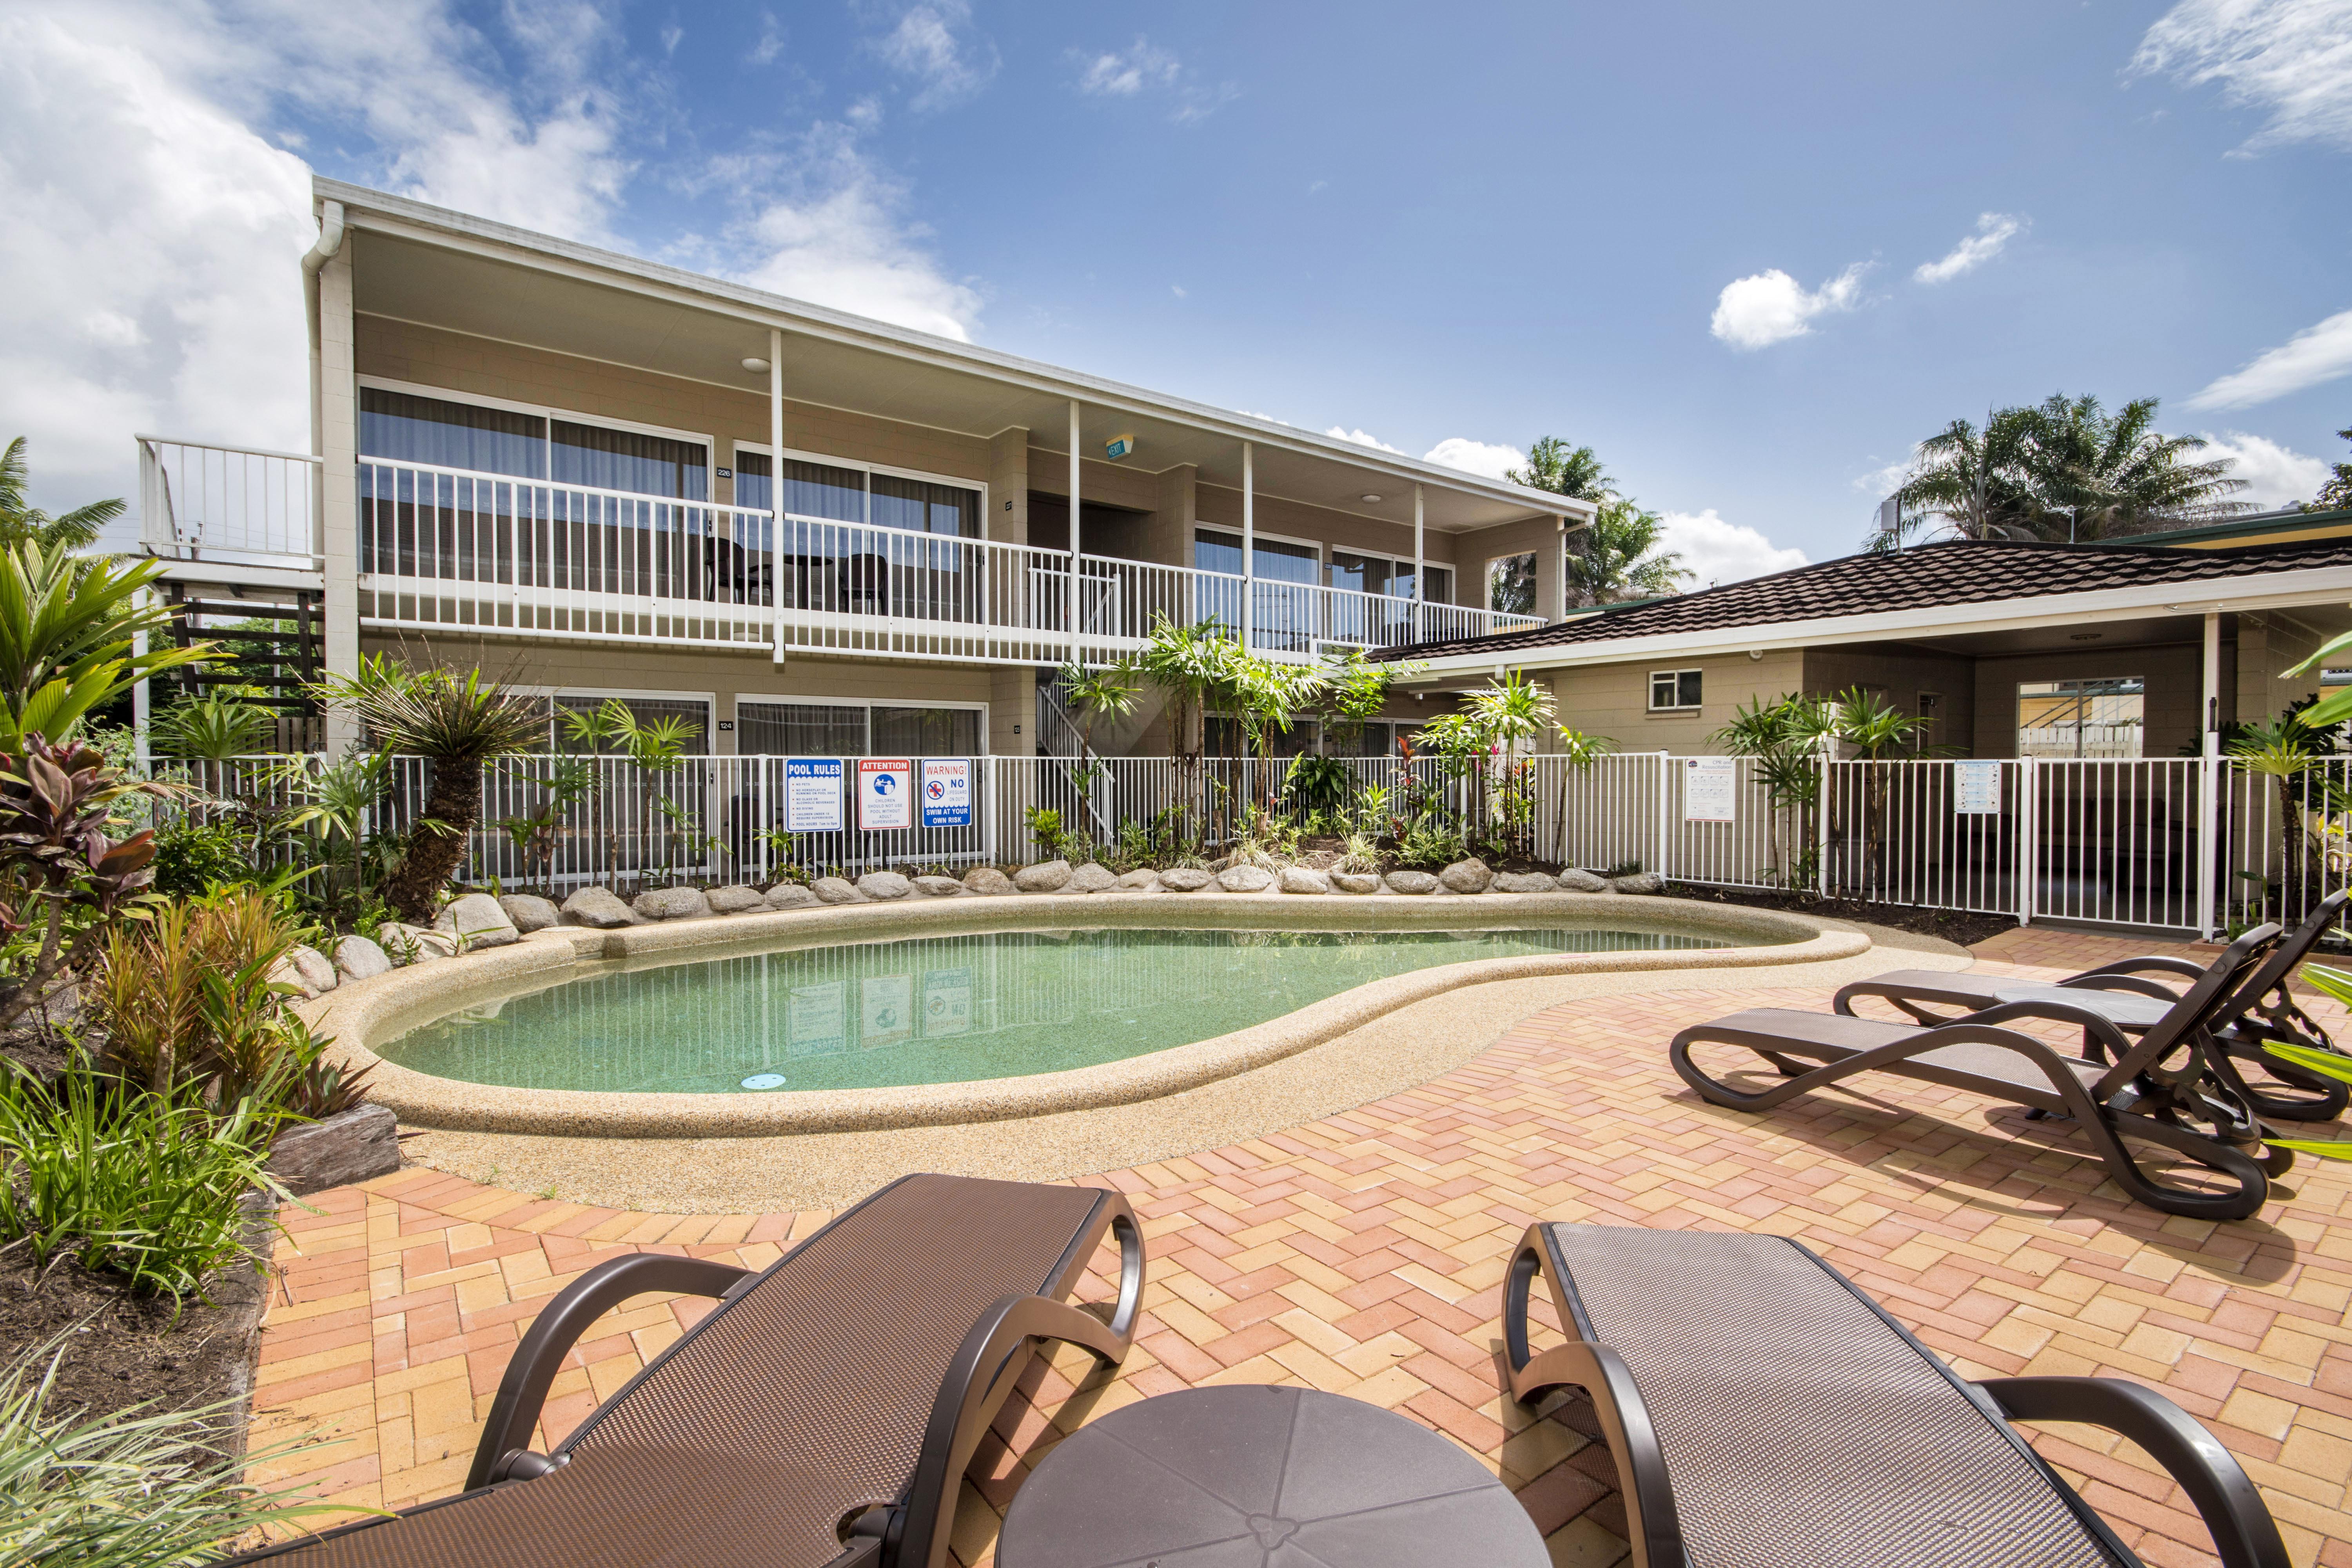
(360, 1014)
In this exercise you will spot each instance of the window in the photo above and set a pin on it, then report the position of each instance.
(695, 710)
(1278, 559)
(926, 731)
(1386, 574)
(2081, 717)
(781, 729)
(1511, 584)
(597, 458)
(1672, 688)
(840, 493)
(410, 428)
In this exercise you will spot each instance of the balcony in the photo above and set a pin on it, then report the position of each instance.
(448, 550)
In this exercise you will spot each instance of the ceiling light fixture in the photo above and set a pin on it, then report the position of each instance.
(1369, 499)
(756, 365)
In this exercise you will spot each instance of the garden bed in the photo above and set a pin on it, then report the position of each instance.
(1961, 926)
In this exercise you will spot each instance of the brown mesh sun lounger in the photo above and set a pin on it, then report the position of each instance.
(2152, 1089)
(2262, 1012)
(1764, 1412)
(822, 1414)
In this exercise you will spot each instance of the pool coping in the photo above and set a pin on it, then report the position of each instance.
(359, 1013)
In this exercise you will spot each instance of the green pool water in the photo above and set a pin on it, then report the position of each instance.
(943, 1009)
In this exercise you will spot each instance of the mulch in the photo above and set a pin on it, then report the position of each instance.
(1958, 926)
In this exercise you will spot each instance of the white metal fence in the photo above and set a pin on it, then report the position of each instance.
(244, 505)
(2172, 843)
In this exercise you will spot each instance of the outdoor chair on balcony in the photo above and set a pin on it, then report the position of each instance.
(2262, 1012)
(1761, 1410)
(821, 1416)
(2149, 1090)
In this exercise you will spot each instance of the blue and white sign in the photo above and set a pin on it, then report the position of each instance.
(886, 788)
(947, 792)
(1976, 789)
(812, 794)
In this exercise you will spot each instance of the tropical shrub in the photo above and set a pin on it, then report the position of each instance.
(61, 877)
(215, 728)
(192, 856)
(189, 998)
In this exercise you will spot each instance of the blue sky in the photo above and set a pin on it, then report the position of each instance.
(1705, 240)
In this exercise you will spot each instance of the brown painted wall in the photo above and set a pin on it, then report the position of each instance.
(1900, 676)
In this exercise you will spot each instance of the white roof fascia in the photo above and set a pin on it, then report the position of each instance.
(2281, 590)
(366, 208)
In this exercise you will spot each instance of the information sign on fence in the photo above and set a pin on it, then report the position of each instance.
(886, 791)
(812, 795)
(1708, 792)
(947, 792)
(1976, 789)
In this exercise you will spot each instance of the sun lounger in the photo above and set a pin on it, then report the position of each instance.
(2150, 1089)
(822, 1414)
(1762, 1411)
(2128, 995)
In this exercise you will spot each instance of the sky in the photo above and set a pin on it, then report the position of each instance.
(1751, 255)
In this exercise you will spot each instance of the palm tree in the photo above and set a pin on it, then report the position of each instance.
(1552, 466)
(22, 523)
(2114, 476)
(1617, 556)
(67, 632)
(1977, 484)
(456, 723)
(1110, 693)
(2337, 491)
(2281, 750)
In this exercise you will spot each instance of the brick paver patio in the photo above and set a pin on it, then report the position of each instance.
(1365, 1253)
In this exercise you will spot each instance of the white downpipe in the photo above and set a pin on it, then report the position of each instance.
(1249, 537)
(776, 488)
(1070, 608)
(330, 241)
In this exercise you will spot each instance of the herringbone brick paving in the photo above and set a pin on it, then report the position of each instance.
(1365, 1254)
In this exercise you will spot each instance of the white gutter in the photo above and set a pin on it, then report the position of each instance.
(2275, 590)
(399, 216)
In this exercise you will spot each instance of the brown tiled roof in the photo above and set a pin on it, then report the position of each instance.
(1932, 576)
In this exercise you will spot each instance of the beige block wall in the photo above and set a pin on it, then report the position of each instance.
(2175, 676)
(1008, 692)
(2268, 644)
(1539, 536)
(1008, 485)
(1613, 700)
(1900, 676)
(428, 356)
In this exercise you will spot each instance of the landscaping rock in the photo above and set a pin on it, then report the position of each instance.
(1183, 879)
(836, 891)
(1090, 878)
(884, 885)
(671, 904)
(530, 912)
(349, 1146)
(318, 970)
(1244, 879)
(939, 887)
(1522, 882)
(357, 958)
(1051, 876)
(1299, 879)
(1411, 882)
(1467, 877)
(414, 944)
(1639, 882)
(792, 896)
(735, 900)
(1356, 881)
(599, 908)
(1575, 881)
(988, 881)
(1143, 878)
(477, 920)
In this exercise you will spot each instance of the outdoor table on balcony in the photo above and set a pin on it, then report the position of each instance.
(1247, 1476)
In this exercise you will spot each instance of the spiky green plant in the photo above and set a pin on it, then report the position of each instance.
(67, 624)
(215, 728)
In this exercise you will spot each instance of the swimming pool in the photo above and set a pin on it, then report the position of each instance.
(943, 1009)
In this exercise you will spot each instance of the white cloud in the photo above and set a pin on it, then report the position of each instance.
(2289, 58)
(1178, 290)
(770, 44)
(1118, 75)
(1884, 481)
(2313, 355)
(1994, 230)
(1475, 456)
(1772, 307)
(935, 44)
(1363, 439)
(1716, 551)
(2275, 476)
(825, 223)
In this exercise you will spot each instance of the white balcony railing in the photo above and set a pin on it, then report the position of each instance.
(234, 505)
(449, 549)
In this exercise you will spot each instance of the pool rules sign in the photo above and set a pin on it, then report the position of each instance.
(947, 792)
(886, 794)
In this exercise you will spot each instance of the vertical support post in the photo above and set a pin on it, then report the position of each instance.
(1822, 822)
(140, 706)
(775, 493)
(339, 538)
(1249, 537)
(2210, 773)
(1070, 612)
(2029, 839)
(1420, 571)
